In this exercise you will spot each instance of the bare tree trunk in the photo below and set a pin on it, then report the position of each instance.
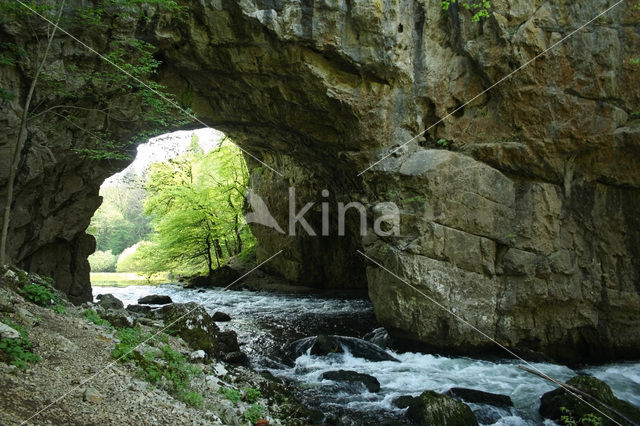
(20, 140)
(216, 244)
(209, 260)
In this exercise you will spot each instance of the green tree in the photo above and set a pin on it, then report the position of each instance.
(120, 221)
(196, 201)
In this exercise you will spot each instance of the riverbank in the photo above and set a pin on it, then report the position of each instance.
(65, 373)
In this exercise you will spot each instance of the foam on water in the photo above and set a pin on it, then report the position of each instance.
(415, 373)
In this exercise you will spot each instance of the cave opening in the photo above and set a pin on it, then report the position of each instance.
(174, 213)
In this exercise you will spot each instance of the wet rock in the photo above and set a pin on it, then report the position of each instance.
(139, 309)
(109, 301)
(480, 397)
(432, 408)
(193, 324)
(379, 337)
(325, 345)
(236, 357)
(552, 402)
(7, 332)
(221, 317)
(402, 401)
(228, 341)
(155, 299)
(370, 382)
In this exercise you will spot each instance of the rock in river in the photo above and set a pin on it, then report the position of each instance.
(155, 299)
(432, 408)
(370, 382)
(552, 403)
(480, 397)
(324, 345)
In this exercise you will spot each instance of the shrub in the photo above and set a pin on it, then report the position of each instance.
(232, 395)
(103, 261)
(253, 413)
(39, 294)
(18, 351)
(93, 316)
(251, 395)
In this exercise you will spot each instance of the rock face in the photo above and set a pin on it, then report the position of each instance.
(519, 210)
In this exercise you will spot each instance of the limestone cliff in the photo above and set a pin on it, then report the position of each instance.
(519, 211)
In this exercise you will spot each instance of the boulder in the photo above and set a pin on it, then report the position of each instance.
(402, 401)
(379, 337)
(480, 397)
(7, 332)
(227, 341)
(323, 345)
(236, 357)
(432, 408)
(109, 301)
(221, 317)
(139, 309)
(155, 299)
(118, 318)
(193, 324)
(558, 403)
(370, 382)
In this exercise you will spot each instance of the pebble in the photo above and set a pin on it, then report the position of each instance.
(91, 395)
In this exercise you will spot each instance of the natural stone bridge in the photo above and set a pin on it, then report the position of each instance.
(519, 211)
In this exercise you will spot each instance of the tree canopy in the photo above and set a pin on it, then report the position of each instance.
(196, 203)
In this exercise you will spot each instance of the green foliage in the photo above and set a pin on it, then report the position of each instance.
(18, 352)
(6, 95)
(169, 364)
(568, 419)
(59, 309)
(96, 84)
(634, 61)
(232, 395)
(103, 261)
(192, 398)
(251, 395)
(119, 223)
(253, 413)
(39, 294)
(196, 203)
(443, 143)
(129, 339)
(416, 199)
(479, 8)
(93, 316)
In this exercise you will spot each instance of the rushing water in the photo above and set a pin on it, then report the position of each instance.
(265, 322)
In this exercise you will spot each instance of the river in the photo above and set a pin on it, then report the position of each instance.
(265, 322)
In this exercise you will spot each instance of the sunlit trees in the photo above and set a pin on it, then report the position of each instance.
(196, 202)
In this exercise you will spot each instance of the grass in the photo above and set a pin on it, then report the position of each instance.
(125, 279)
